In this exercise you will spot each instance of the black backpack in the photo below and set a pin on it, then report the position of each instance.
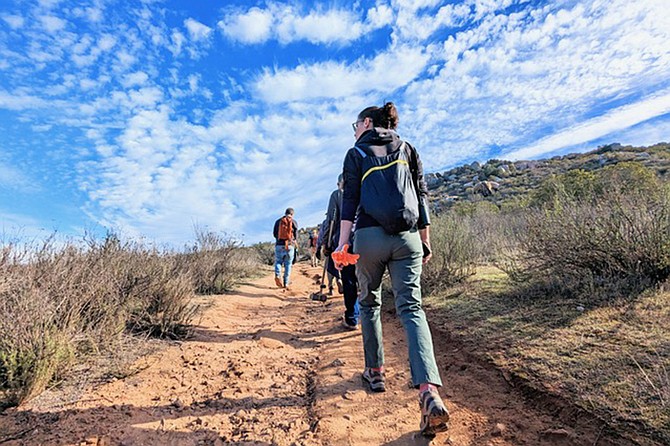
(388, 193)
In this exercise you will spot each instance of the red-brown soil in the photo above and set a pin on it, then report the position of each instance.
(272, 367)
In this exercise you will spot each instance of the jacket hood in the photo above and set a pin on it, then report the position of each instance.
(380, 137)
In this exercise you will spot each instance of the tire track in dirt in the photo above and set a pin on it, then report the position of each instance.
(271, 367)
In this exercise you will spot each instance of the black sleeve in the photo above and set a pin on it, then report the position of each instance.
(295, 229)
(332, 214)
(275, 231)
(421, 188)
(351, 196)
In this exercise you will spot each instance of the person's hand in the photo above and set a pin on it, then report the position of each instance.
(342, 257)
(338, 265)
(427, 252)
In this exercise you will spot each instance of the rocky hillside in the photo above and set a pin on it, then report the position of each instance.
(500, 181)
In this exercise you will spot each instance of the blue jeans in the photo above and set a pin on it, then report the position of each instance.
(402, 254)
(284, 257)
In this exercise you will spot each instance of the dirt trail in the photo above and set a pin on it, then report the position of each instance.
(271, 367)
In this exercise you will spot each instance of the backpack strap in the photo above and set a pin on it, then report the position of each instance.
(413, 167)
(362, 153)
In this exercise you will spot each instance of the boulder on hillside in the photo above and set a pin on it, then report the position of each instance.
(433, 180)
(486, 188)
(608, 148)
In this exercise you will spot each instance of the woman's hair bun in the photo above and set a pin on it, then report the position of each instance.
(390, 115)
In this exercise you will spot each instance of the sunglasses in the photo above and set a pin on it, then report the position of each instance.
(355, 125)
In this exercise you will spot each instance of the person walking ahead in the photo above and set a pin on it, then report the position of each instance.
(285, 232)
(347, 274)
(385, 190)
(313, 239)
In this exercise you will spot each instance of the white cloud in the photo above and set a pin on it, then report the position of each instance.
(125, 60)
(504, 82)
(106, 42)
(48, 4)
(329, 27)
(135, 79)
(87, 84)
(197, 30)
(389, 70)
(287, 25)
(645, 134)
(20, 101)
(94, 15)
(254, 26)
(13, 179)
(52, 23)
(380, 16)
(469, 78)
(14, 21)
(613, 121)
(177, 42)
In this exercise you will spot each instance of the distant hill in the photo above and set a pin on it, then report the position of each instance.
(499, 181)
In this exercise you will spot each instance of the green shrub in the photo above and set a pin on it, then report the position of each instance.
(455, 252)
(265, 252)
(617, 237)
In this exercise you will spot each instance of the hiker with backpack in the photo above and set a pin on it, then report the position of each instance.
(384, 190)
(313, 242)
(347, 274)
(285, 232)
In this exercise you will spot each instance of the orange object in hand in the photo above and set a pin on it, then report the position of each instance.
(344, 258)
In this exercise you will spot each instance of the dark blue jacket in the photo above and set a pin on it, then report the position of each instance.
(353, 174)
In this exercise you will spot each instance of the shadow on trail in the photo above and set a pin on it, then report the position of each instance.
(409, 439)
(123, 421)
(297, 340)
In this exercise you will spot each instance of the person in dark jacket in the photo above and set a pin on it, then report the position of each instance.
(284, 250)
(402, 253)
(347, 275)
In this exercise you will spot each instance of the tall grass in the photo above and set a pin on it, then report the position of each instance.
(61, 301)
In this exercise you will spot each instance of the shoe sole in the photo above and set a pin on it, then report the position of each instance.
(434, 425)
(279, 283)
(379, 389)
(349, 327)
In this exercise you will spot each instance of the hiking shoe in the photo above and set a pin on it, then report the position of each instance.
(330, 291)
(347, 325)
(278, 282)
(434, 414)
(374, 379)
(340, 289)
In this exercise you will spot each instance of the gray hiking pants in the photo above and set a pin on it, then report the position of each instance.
(402, 254)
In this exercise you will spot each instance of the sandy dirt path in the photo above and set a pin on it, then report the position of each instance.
(271, 367)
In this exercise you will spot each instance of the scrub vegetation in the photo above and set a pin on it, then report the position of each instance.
(62, 303)
(567, 288)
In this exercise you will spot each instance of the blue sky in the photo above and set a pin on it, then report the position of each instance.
(150, 117)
